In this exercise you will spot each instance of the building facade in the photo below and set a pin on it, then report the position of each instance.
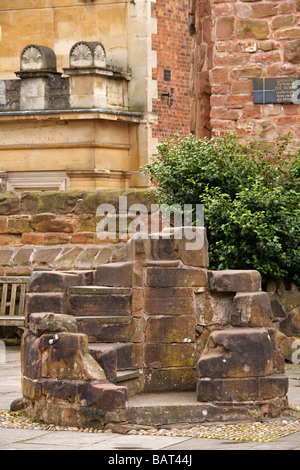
(88, 88)
(245, 68)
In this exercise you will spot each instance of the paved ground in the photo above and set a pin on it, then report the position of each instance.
(29, 439)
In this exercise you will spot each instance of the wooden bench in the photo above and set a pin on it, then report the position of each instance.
(12, 300)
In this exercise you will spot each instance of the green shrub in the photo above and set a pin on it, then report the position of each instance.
(251, 197)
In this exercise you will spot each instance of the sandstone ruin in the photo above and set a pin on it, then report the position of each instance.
(200, 343)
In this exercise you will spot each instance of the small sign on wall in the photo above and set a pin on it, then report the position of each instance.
(284, 90)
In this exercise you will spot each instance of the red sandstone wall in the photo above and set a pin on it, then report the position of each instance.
(173, 46)
(249, 39)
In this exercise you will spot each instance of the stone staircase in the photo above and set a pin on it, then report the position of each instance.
(103, 313)
(183, 343)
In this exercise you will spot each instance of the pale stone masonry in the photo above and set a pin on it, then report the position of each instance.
(88, 106)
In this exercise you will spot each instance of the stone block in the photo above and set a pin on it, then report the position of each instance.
(278, 359)
(100, 305)
(86, 258)
(188, 244)
(248, 28)
(48, 222)
(21, 271)
(213, 308)
(56, 238)
(225, 27)
(6, 256)
(83, 238)
(176, 277)
(137, 302)
(129, 355)
(109, 332)
(170, 329)
(9, 239)
(119, 275)
(46, 256)
(104, 396)
(106, 357)
(67, 257)
(234, 281)
(104, 255)
(86, 223)
(238, 352)
(31, 361)
(32, 388)
(58, 391)
(23, 256)
(242, 389)
(291, 51)
(251, 309)
(173, 379)
(158, 356)
(66, 356)
(35, 303)
(42, 282)
(289, 347)
(18, 224)
(56, 202)
(9, 203)
(278, 312)
(44, 323)
(32, 238)
(169, 301)
(290, 325)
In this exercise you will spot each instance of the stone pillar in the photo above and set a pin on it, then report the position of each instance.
(41, 86)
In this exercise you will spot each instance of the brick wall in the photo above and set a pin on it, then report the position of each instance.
(173, 45)
(248, 39)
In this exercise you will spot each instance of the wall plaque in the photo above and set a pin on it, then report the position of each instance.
(276, 90)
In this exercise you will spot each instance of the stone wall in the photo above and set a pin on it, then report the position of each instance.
(57, 230)
(233, 43)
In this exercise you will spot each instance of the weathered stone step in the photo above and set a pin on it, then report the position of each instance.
(124, 375)
(106, 329)
(116, 358)
(103, 319)
(117, 275)
(132, 379)
(99, 290)
(108, 356)
(176, 408)
(99, 301)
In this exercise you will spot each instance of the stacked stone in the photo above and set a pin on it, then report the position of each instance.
(158, 322)
(62, 383)
(286, 318)
(170, 277)
(242, 40)
(241, 362)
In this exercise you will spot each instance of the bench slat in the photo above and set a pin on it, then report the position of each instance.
(13, 299)
(12, 320)
(14, 315)
(22, 299)
(3, 300)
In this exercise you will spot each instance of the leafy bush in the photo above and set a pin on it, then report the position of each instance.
(251, 197)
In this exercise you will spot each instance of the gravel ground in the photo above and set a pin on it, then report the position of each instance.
(256, 432)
